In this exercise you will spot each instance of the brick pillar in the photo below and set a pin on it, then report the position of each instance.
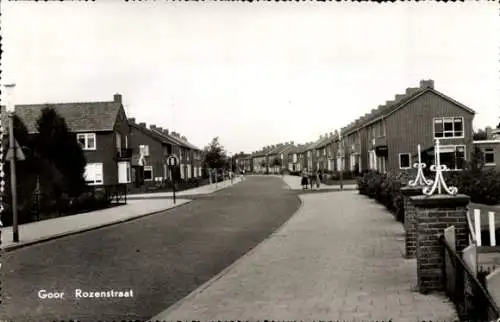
(410, 223)
(433, 215)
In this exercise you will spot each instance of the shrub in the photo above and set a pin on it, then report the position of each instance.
(385, 188)
(481, 186)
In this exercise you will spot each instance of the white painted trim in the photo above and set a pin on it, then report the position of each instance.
(442, 119)
(486, 142)
(86, 136)
(409, 163)
(455, 147)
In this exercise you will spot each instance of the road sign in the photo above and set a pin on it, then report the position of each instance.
(19, 153)
(172, 161)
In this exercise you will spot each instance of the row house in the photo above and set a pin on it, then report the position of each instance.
(304, 156)
(154, 145)
(280, 153)
(102, 130)
(387, 137)
(243, 162)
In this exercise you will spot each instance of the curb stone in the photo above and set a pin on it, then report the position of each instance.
(83, 230)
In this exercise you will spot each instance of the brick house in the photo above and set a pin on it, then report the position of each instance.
(280, 152)
(149, 162)
(243, 162)
(491, 153)
(154, 144)
(387, 137)
(102, 130)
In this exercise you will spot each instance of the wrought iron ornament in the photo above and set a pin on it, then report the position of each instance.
(420, 179)
(439, 183)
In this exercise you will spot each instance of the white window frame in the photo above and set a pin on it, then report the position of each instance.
(128, 176)
(95, 181)
(86, 137)
(454, 147)
(490, 151)
(409, 161)
(442, 120)
(148, 168)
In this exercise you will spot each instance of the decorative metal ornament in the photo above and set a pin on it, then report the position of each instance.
(420, 179)
(439, 183)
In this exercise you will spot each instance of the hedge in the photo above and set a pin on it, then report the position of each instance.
(385, 188)
(482, 187)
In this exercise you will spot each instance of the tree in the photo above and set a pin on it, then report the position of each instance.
(59, 147)
(481, 135)
(214, 155)
(477, 161)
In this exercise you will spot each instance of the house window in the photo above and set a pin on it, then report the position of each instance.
(93, 173)
(124, 172)
(404, 161)
(148, 173)
(452, 156)
(317, 153)
(489, 156)
(449, 127)
(87, 141)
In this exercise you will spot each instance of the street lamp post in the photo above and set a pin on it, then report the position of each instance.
(11, 109)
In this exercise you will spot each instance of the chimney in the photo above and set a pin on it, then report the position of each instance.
(373, 110)
(152, 126)
(381, 107)
(399, 97)
(292, 142)
(184, 138)
(142, 124)
(131, 120)
(165, 131)
(411, 90)
(159, 129)
(427, 83)
(117, 98)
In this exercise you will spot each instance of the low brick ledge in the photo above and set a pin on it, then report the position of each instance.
(440, 201)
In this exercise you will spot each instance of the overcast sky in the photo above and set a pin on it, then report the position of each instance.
(252, 74)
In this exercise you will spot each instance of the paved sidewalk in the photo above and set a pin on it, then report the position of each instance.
(337, 258)
(137, 205)
(206, 189)
(294, 183)
(52, 228)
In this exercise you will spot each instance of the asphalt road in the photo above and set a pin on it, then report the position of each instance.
(161, 258)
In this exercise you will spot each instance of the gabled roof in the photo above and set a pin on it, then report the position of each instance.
(176, 140)
(280, 149)
(80, 117)
(400, 101)
(153, 134)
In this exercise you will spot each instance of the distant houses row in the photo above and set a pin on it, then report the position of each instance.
(117, 149)
(385, 139)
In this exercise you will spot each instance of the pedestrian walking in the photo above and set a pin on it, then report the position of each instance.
(318, 182)
(304, 180)
(310, 179)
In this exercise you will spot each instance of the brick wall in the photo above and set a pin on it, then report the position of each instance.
(433, 215)
(410, 223)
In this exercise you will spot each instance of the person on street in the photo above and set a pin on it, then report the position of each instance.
(304, 180)
(318, 182)
(310, 179)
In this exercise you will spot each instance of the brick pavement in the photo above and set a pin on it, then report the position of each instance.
(338, 257)
(294, 183)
